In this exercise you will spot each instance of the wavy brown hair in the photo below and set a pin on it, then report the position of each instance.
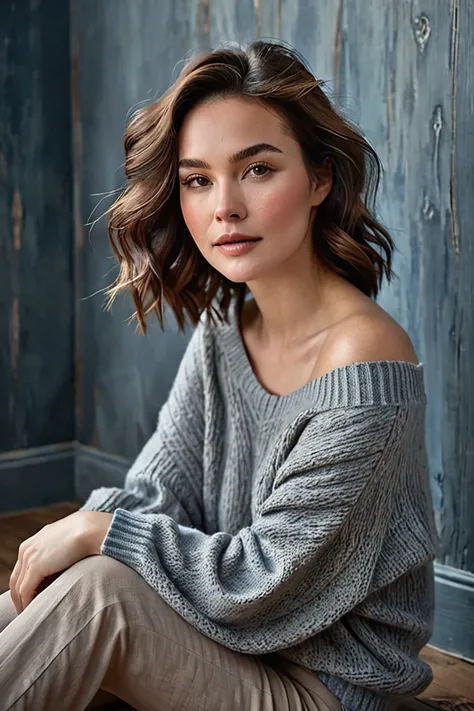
(158, 259)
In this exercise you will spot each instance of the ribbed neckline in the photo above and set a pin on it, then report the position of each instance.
(384, 382)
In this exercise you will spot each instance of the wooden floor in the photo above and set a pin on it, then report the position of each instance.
(453, 684)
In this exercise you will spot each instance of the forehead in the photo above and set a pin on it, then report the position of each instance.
(223, 124)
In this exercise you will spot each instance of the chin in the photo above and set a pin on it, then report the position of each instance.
(242, 273)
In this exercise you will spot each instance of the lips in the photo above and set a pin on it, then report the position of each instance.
(236, 237)
(239, 241)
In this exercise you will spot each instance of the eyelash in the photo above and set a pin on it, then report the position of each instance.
(254, 165)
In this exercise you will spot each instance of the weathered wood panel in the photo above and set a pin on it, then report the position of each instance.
(458, 434)
(123, 53)
(232, 21)
(401, 67)
(36, 333)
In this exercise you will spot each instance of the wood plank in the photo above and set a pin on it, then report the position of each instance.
(453, 677)
(44, 513)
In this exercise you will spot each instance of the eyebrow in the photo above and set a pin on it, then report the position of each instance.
(235, 158)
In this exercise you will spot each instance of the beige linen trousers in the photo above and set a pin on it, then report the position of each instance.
(99, 631)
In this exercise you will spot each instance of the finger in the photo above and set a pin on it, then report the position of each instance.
(24, 555)
(27, 588)
(13, 583)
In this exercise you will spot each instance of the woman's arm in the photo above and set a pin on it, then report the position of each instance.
(309, 556)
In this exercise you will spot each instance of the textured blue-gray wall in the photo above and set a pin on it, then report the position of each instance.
(122, 53)
(36, 332)
(36, 289)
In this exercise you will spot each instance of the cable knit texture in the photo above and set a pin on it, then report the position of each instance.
(299, 524)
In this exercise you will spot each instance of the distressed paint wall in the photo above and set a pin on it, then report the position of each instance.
(36, 332)
(400, 73)
(403, 67)
(123, 53)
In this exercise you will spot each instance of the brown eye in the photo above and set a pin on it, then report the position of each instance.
(257, 166)
(191, 179)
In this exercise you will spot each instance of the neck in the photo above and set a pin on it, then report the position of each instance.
(291, 307)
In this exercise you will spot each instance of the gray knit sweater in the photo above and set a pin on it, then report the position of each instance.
(300, 524)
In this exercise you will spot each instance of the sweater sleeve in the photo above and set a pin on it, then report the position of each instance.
(166, 475)
(311, 551)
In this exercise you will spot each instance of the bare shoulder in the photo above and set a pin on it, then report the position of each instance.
(365, 336)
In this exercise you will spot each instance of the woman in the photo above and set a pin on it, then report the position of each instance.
(273, 545)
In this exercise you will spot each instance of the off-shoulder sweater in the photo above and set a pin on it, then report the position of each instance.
(297, 524)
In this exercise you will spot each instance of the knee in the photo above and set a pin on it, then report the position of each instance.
(102, 584)
(101, 573)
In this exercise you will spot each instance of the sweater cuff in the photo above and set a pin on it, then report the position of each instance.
(124, 528)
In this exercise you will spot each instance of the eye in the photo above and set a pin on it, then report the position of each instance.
(259, 165)
(190, 179)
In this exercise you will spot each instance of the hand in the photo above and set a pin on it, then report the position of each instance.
(54, 548)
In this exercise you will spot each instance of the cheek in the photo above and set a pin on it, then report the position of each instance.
(193, 214)
(283, 205)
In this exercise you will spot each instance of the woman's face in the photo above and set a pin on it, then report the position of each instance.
(265, 193)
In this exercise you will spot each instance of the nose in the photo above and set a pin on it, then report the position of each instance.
(229, 206)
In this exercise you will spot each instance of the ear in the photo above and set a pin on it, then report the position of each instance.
(322, 182)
